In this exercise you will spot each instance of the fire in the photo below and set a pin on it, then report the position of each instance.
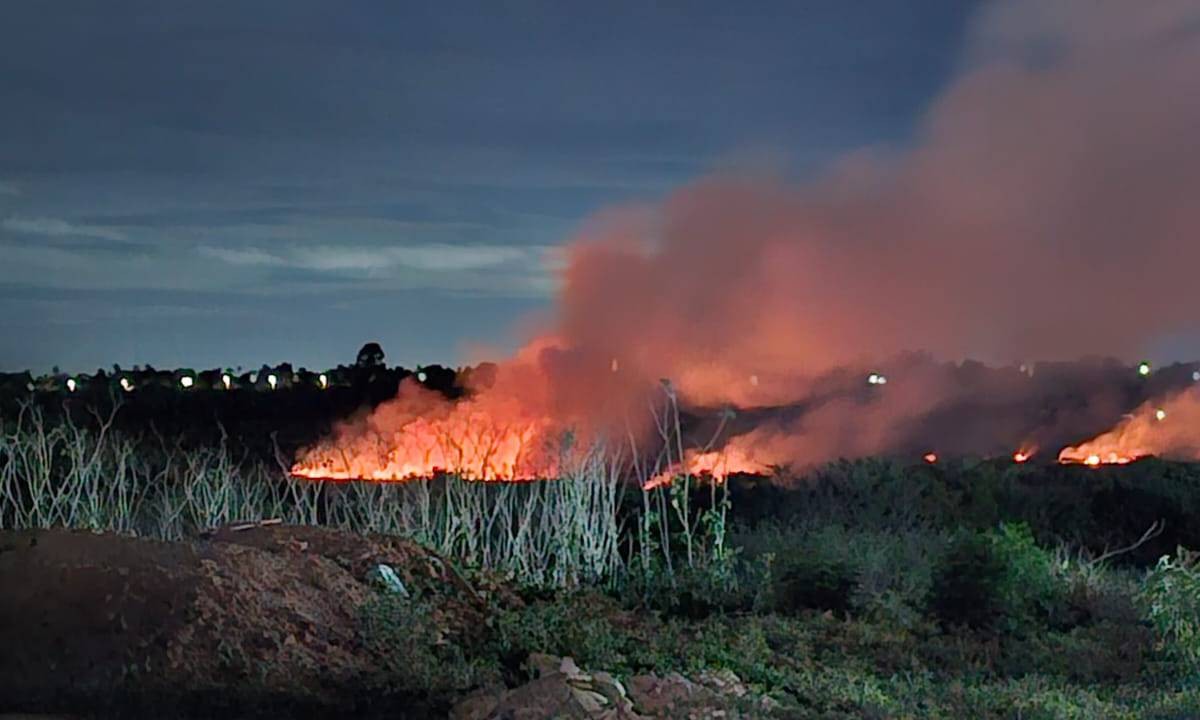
(420, 435)
(719, 464)
(1024, 454)
(1165, 428)
(931, 458)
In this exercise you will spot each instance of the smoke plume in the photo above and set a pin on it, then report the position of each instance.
(1044, 210)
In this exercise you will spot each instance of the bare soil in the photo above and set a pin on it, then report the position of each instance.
(263, 621)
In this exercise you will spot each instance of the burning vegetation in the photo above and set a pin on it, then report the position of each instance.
(1003, 231)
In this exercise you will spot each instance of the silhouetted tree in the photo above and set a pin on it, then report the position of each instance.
(371, 355)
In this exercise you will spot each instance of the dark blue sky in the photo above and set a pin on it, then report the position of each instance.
(233, 183)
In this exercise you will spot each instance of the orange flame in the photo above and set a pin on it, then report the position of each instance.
(1024, 454)
(419, 435)
(719, 464)
(1167, 428)
(931, 458)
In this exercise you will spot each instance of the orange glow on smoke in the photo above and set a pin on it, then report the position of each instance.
(1169, 428)
(419, 434)
(465, 444)
(719, 464)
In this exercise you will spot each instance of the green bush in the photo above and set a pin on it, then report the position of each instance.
(813, 582)
(1170, 597)
(999, 580)
(578, 625)
(1032, 591)
(878, 574)
(415, 652)
(966, 586)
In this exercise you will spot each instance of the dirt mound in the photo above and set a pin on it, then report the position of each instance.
(562, 690)
(271, 612)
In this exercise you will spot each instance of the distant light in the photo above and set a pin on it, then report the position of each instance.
(1027, 369)
(931, 458)
(876, 379)
(1144, 369)
(71, 384)
(421, 376)
(272, 380)
(126, 385)
(1160, 414)
(615, 365)
(253, 377)
(187, 381)
(754, 380)
(1196, 376)
(226, 380)
(323, 381)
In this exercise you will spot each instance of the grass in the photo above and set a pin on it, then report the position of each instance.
(881, 591)
(557, 533)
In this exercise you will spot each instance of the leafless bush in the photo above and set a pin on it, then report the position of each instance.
(557, 532)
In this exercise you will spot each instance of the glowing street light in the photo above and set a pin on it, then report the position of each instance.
(877, 379)
(272, 380)
(1144, 368)
(226, 381)
(126, 385)
(1160, 414)
(1196, 376)
(187, 381)
(71, 384)
(421, 376)
(323, 381)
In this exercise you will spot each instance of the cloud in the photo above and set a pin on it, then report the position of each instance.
(55, 227)
(432, 257)
(237, 256)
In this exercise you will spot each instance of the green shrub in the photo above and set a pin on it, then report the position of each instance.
(966, 586)
(415, 652)
(998, 580)
(1170, 598)
(579, 625)
(1031, 590)
(812, 582)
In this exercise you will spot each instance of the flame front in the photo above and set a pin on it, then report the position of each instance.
(719, 464)
(420, 435)
(1168, 428)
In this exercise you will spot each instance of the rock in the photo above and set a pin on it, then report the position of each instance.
(725, 682)
(612, 689)
(561, 690)
(542, 664)
(479, 705)
(541, 699)
(667, 696)
(571, 670)
(591, 701)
